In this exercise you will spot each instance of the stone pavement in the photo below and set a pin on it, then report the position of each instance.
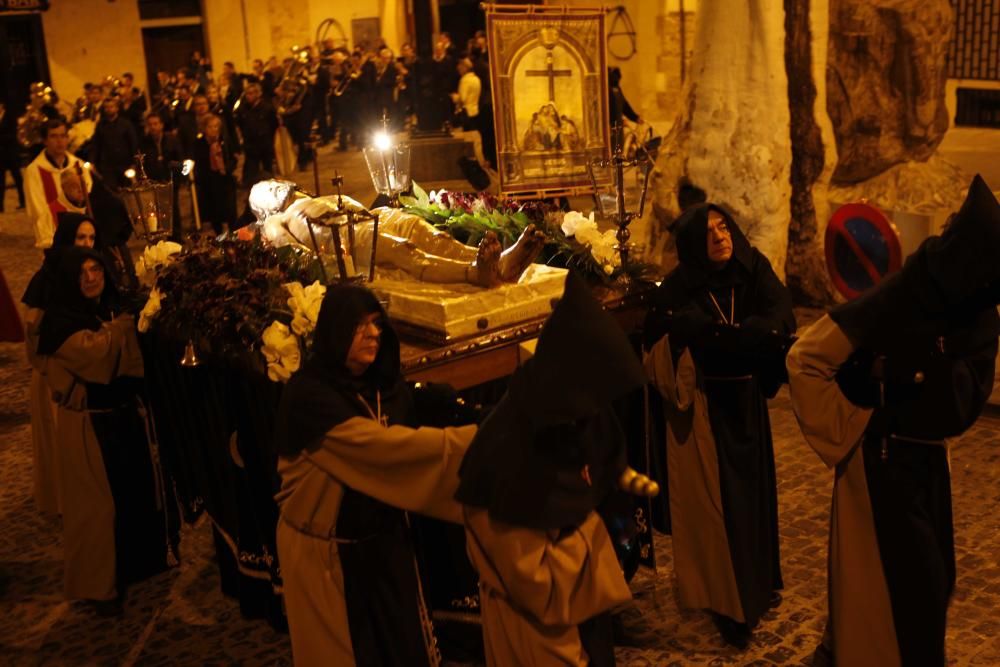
(181, 617)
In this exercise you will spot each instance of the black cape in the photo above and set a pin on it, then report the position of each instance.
(737, 368)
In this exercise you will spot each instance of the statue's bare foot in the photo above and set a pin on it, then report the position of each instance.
(486, 267)
(519, 256)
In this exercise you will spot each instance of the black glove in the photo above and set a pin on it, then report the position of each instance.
(686, 325)
(438, 404)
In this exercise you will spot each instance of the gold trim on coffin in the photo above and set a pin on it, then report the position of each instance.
(418, 357)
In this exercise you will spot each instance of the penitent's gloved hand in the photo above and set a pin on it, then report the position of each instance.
(686, 325)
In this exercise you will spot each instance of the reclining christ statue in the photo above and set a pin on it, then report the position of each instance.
(405, 241)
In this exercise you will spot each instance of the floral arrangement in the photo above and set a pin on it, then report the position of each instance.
(224, 295)
(154, 258)
(283, 343)
(574, 241)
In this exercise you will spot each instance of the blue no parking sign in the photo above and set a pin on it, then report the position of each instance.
(862, 248)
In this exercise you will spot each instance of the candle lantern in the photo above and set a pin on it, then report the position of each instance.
(388, 165)
(150, 205)
(341, 223)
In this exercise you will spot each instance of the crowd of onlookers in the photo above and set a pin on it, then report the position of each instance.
(259, 123)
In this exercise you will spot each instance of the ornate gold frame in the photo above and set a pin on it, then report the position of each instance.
(547, 152)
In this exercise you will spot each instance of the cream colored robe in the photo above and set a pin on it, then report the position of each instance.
(87, 503)
(861, 620)
(535, 588)
(412, 469)
(702, 560)
(44, 448)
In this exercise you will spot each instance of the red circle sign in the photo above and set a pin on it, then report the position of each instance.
(862, 247)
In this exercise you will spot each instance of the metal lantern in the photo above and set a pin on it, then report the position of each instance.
(620, 186)
(150, 205)
(388, 165)
(344, 218)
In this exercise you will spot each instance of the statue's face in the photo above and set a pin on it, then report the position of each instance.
(91, 279)
(73, 190)
(86, 237)
(720, 241)
(365, 346)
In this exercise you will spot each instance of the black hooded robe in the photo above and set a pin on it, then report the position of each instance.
(45, 468)
(548, 571)
(714, 379)
(350, 468)
(892, 560)
(119, 516)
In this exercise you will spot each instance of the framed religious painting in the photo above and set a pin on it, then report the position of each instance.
(365, 32)
(548, 69)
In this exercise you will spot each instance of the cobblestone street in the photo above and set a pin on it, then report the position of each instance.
(182, 618)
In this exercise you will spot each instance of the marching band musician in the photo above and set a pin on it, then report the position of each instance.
(294, 101)
(384, 74)
(348, 93)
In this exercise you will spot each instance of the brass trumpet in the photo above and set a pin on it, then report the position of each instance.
(352, 75)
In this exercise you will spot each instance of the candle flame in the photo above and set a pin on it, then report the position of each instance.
(382, 141)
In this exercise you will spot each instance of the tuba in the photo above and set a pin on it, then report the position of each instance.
(29, 126)
(294, 82)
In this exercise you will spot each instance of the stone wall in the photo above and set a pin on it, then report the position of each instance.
(86, 40)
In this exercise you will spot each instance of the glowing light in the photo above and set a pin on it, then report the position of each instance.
(130, 174)
(86, 165)
(382, 141)
(187, 168)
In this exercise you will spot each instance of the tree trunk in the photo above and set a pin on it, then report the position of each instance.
(731, 137)
(813, 150)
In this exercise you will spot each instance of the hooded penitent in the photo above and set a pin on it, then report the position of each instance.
(68, 310)
(941, 307)
(526, 463)
(745, 290)
(40, 287)
(323, 393)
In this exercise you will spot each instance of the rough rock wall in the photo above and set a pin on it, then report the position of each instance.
(731, 137)
(885, 82)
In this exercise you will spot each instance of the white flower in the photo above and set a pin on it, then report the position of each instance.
(150, 310)
(305, 303)
(434, 197)
(574, 222)
(602, 245)
(282, 352)
(155, 256)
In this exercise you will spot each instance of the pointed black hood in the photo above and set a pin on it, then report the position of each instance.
(950, 276)
(526, 462)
